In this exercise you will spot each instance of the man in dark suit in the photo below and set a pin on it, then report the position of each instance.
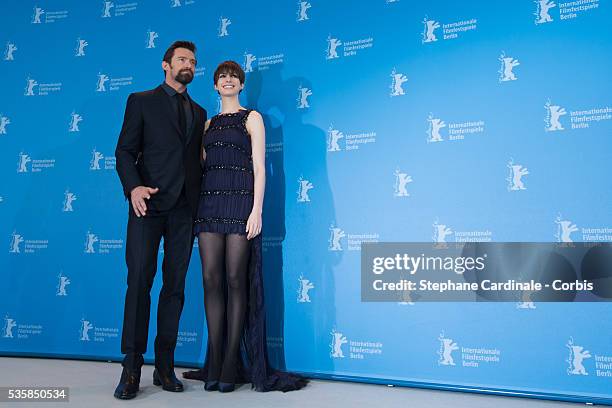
(158, 161)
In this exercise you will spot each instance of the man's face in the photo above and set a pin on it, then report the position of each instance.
(182, 66)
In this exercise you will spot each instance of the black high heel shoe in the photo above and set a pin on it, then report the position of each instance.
(226, 387)
(211, 385)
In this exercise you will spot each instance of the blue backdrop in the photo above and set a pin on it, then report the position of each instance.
(386, 121)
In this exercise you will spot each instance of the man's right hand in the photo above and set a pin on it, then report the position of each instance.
(138, 195)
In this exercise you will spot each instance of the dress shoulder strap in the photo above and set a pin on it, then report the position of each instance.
(245, 117)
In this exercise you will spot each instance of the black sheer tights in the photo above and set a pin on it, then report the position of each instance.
(225, 260)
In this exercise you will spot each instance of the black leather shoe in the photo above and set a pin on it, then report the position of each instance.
(129, 384)
(211, 385)
(195, 375)
(226, 387)
(167, 380)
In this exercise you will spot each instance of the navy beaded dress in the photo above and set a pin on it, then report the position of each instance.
(227, 183)
(225, 205)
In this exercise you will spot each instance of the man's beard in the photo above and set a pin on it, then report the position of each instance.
(184, 77)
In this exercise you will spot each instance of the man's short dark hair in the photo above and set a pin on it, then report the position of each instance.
(231, 68)
(178, 44)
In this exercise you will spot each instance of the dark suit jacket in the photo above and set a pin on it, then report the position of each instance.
(150, 151)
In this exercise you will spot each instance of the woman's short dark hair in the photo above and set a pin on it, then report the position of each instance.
(178, 44)
(231, 68)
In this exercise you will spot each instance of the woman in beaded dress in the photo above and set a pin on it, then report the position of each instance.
(228, 226)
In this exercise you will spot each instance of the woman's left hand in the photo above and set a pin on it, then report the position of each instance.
(253, 226)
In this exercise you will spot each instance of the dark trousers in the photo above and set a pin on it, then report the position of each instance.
(143, 239)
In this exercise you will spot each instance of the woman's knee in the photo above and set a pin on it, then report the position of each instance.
(212, 279)
(236, 279)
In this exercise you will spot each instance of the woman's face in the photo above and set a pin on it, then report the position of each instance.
(228, 84)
